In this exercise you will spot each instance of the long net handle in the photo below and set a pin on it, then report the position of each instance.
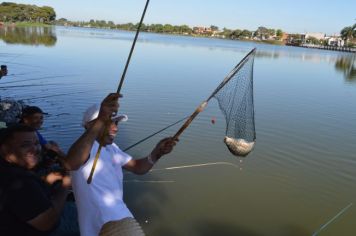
(199, 109)
(97, 155)
(90, 178)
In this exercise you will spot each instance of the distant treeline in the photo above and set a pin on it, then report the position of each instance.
(12, 12)
(262, 33)
(128, 26)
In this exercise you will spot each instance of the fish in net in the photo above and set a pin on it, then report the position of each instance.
(235, 99)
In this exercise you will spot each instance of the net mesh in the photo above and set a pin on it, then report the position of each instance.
(235, 100)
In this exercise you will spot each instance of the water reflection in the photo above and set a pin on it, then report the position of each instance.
(29, 35)
(343, 62)
(302, 54)
(347, 66)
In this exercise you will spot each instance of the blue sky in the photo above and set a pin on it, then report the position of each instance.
(291, 16)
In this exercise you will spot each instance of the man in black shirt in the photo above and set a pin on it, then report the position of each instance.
(27, 205)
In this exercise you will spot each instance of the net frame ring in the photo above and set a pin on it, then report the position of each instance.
(239, 147)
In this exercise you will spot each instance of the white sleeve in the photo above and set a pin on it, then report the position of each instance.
(120, 158)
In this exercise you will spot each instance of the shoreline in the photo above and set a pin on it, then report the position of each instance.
(269, 42)
(32, 24)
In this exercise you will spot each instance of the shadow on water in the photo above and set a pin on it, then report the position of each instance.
(144, 195)
(146, 199)
(347, 66)
(29, 35)
(212, 228)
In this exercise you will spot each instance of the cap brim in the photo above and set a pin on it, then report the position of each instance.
(120, 118)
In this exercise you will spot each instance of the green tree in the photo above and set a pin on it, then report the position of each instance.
(313, 40)
(271, 32)
(167, 28)
(185, 29)
(246, 34)
(214, 28)
(226, 32)
(235, 34)
(111, 24)
(279, 33)
(264, 33)
(12, 12)
(261, 32)
(49, 13)
(348, 33)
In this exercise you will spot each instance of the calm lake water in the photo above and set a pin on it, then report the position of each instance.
(301, 174)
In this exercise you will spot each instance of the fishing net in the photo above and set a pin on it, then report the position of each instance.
(235, 98)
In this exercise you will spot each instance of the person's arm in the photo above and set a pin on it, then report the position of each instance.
(54, 147)
(143, 165)
(48, 219)
(79, 152)
(31, 204)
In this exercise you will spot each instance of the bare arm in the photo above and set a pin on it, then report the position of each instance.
(139, 166)
(143, 165)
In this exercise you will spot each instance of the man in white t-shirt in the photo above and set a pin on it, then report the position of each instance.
(101, 209)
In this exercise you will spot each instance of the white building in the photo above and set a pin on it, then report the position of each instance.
(335, 41)
(319, 36)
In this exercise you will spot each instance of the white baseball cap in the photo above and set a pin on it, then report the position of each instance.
(93, 111)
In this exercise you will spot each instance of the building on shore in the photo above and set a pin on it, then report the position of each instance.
(336, 41)
(202, 30)
(318, 36)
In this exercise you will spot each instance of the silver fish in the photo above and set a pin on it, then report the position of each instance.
(239, 147)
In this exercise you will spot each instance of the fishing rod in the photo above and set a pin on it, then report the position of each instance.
(13, 58)
(119, 88)
(27, 85)
(21, 74)
(4, 66)
(60, 94)
(21, 64)
(159, 131)
(316, 233)
(39, 78)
